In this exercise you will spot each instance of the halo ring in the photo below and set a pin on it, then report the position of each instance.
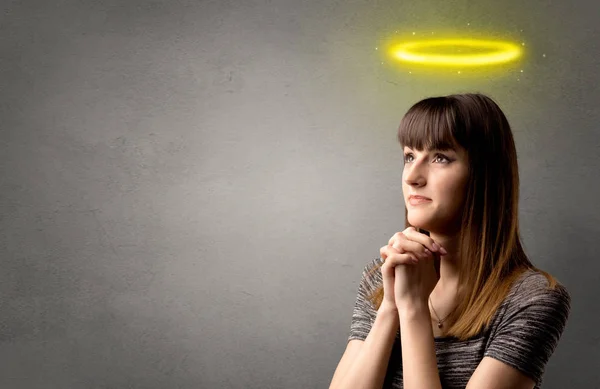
(497, 52)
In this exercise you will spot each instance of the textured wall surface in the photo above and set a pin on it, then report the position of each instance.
(189, 190)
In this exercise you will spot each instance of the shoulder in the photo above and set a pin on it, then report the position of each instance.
(371, 278)
(371, 273)
(533, 287)
(528, 329)
(372, 265)
(533, 298)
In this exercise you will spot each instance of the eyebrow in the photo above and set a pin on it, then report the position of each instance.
(448, 149)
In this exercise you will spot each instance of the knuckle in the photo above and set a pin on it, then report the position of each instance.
(396, 239)
(400, 250)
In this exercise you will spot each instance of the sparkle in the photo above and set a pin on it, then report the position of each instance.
(413, 33)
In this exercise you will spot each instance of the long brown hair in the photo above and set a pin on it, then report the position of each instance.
(490, 250)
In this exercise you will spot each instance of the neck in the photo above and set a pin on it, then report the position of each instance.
(449, 264)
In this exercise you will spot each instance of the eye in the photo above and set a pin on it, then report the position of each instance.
(439, 158)
(443, 157)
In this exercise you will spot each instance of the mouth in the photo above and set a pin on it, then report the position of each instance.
(416, 197)
(416, 200)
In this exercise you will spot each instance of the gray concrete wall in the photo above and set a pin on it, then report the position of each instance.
(189, 190)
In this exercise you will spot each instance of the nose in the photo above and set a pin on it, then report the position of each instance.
(415, 175)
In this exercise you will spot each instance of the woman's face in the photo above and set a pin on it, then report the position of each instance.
(441, 177)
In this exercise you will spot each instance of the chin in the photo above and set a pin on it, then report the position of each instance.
(432, 225)
(425, 221)
(422, 223)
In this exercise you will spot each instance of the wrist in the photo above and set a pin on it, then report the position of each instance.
(387, 309)
(412, 309)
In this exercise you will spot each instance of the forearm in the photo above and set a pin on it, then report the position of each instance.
(369, 368)
(419, 362)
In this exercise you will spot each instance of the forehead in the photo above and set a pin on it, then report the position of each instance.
(430, 149)
(456, 149)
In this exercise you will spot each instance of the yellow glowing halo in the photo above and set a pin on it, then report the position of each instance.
(497, 52)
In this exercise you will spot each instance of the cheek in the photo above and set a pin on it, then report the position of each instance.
(458, 191)
(405, 189)
(454, 189)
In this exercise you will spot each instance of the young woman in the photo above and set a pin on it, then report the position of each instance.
(453, 301)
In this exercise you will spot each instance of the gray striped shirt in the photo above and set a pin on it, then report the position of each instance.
(523, 332)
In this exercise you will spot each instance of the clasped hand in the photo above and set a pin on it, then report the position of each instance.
(408, 272)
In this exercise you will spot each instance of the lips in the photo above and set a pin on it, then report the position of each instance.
(418, 200)
(418, 197)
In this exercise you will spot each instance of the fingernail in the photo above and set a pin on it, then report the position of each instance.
(427, 252)
(435, 247)
(443, 251)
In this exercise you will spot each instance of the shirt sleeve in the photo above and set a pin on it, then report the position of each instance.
(531, 327)
(364, 313)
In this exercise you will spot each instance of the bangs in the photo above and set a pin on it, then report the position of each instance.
(430, 124)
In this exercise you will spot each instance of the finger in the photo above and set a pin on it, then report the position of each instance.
(383, 252)
(414, 235)
(391, 256)
(388, 250)
(403, 245)
(399, 235)
(415, 249)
